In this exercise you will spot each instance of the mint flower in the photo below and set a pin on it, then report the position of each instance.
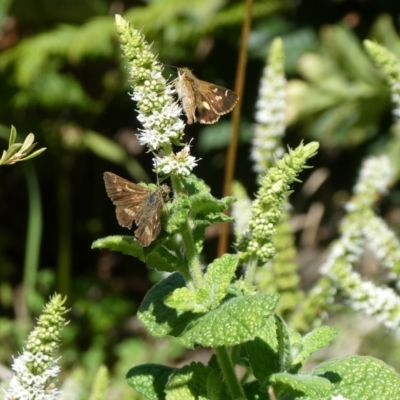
(36, 369)
(180, 163)
(363, 228)
(270, 114)
(158, 111)
(384, 244)
(380, 302)
(374, 178)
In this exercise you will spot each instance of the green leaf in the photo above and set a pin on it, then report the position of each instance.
(300, 385)
(205, 208)
(28, 144)
(183, 299)
(154, 255)
(195, 204)
(218, 277)
(263, 352)
(35, 154)
(179, 213)
(236, 321)
(314, 341)
(253, 391)
(150, 379)
(189, 383)
(216, 281)
(358, 377)
(13, 136)
(159, 319)
(216, 389)
(284, 344)
(12, 150)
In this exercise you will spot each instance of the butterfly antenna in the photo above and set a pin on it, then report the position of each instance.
(171, 66)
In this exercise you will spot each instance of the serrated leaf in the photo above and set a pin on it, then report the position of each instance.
(125, 244)
(192, 185)
(205, 207)
(314, 341)
(263, 352)
(301, 385)
(159, 319)
(359, 377)
(236, 321)
(150, 379)
(178, 214)
(216, 281)
(183, 299)
(155, 256)
(216, 389)
(218, 277)
(195, 204)
(188, 383)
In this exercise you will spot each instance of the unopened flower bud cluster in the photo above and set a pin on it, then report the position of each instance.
(269, 202)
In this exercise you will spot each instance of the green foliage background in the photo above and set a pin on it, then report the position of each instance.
(62, 78)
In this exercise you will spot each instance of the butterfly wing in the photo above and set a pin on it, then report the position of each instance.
(214, 101)
(128, 197)
(148, 222)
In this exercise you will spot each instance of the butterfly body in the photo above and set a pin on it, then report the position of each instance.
(137, 203)
(203, 101)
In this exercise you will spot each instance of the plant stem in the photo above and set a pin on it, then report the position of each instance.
(228, 370)
(34, 233)
(193, 261)
(64, 262)
(195, 271)
(250, 272)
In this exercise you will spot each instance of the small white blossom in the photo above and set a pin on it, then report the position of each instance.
(363, 228)
(374, 178)
(383, 243)
(180, 163)
(241, 210)
(381, 303)
(25, 385)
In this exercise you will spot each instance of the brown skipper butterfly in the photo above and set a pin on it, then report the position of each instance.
(203, 101)
(137, 203)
